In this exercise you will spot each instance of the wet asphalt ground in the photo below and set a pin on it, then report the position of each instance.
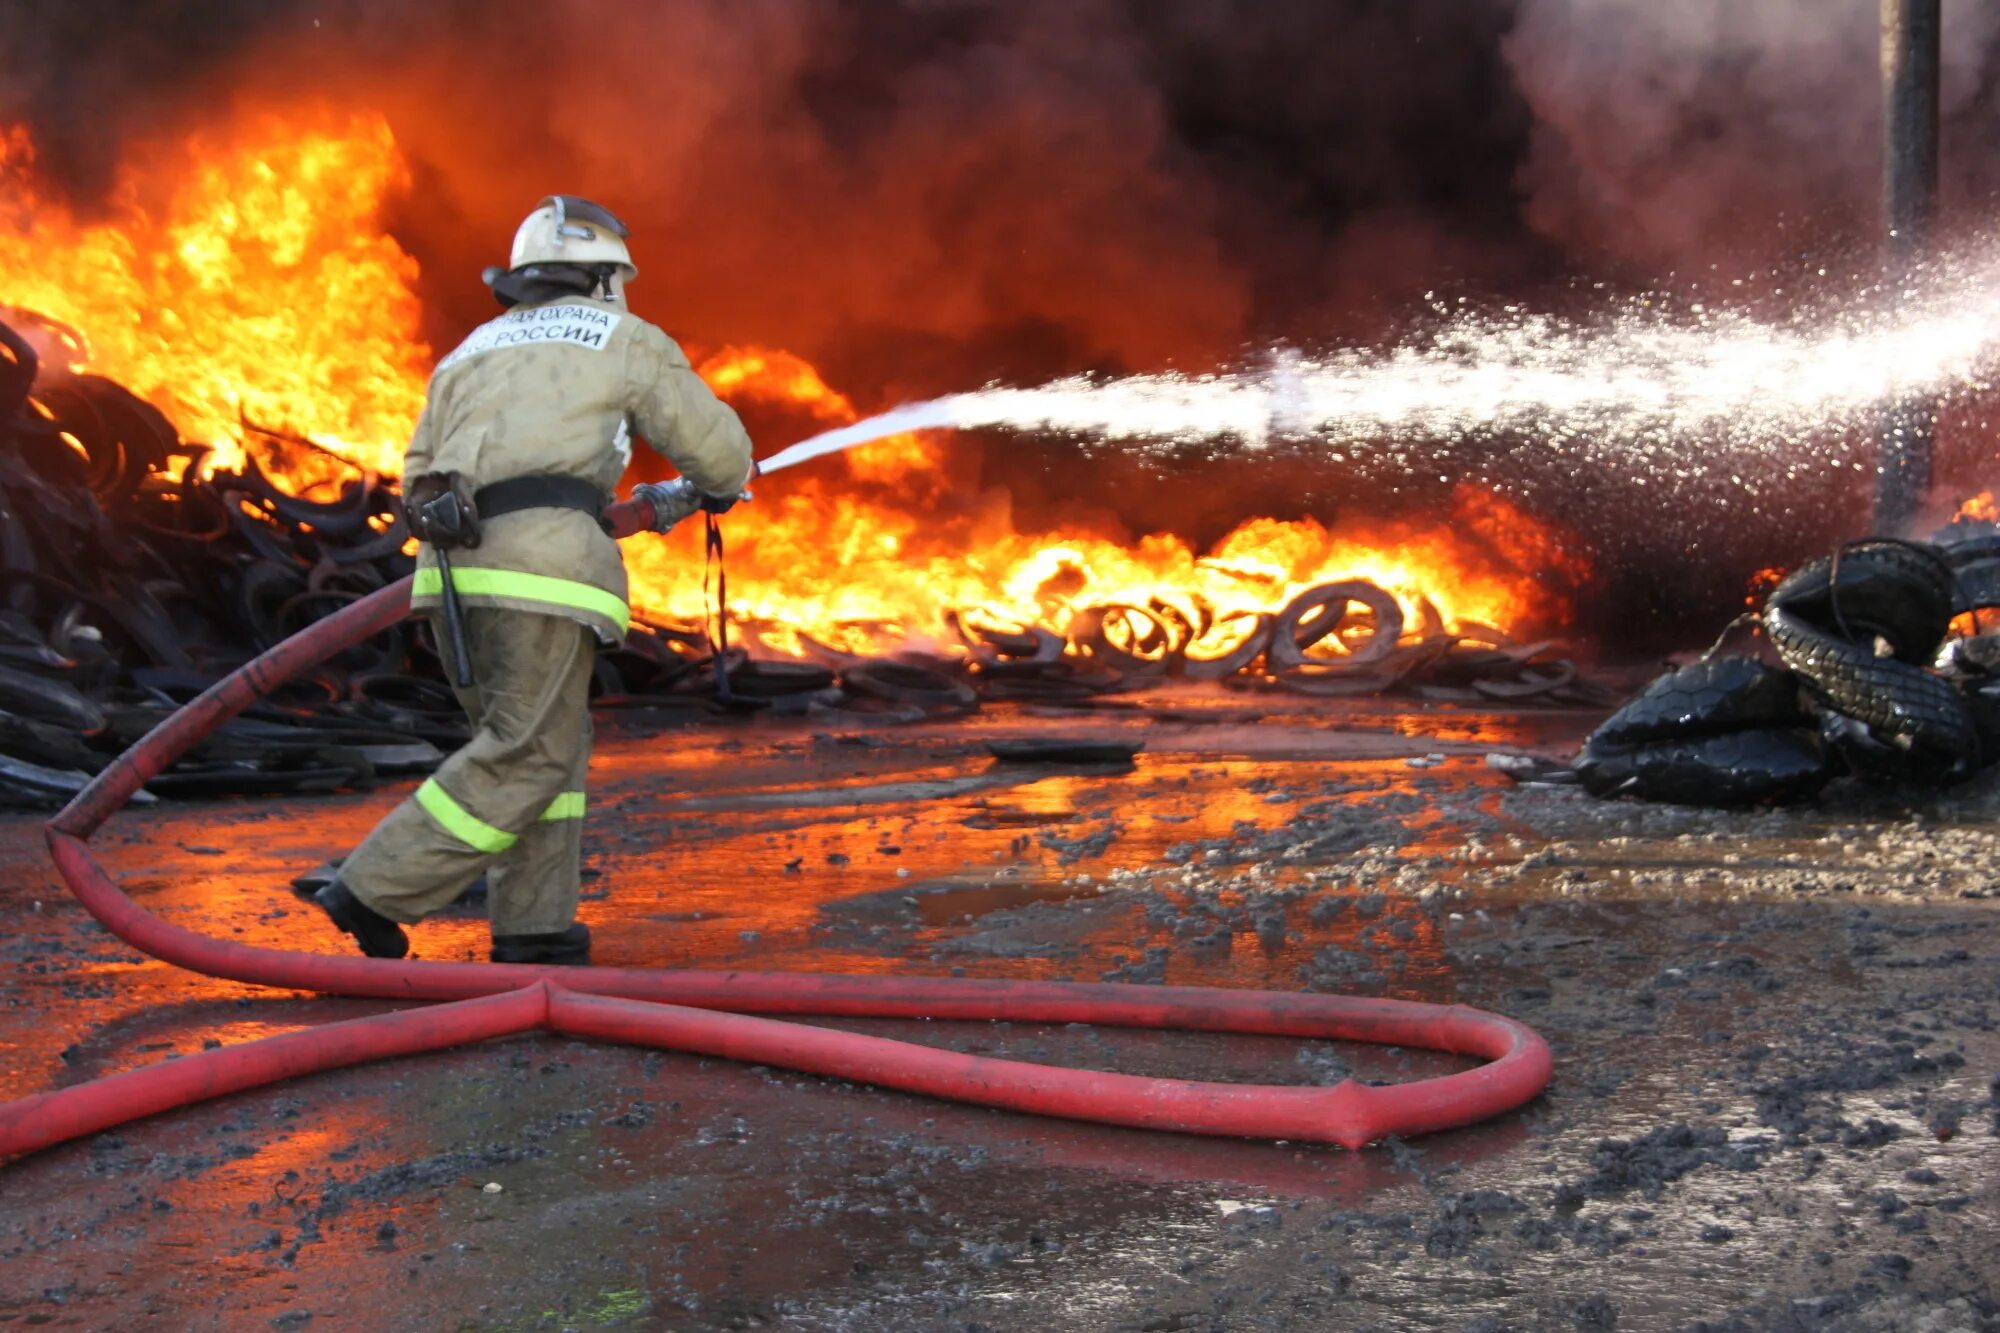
(1774, 1104)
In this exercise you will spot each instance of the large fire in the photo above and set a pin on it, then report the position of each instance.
(247, 281)
(237, 281)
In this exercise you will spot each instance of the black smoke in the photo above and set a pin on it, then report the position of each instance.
(924, 195)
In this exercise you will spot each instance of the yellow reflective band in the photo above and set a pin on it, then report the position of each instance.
(475, 582)
(460, 822)
(569, 805)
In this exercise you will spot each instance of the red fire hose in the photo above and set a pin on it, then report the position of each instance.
(709, 1012)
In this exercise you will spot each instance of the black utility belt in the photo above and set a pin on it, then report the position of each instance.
(539, 490)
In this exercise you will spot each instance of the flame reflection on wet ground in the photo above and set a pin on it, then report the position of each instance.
(1246, 847)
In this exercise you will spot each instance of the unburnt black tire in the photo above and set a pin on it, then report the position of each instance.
(135, 626)
(319, 693)
(172, 683)
(1900, 593)
(1729, 731)
(1895, 699)
(322, 691)
(263, 589)
(195, 782)
(902, 682)
(382, 652)
(606, 680)
(49, 745)
(1975, 565)
(427, 708)
(699, 678)
(1709, 698)
(667, 707)
(643, 672)
(765, 679)
(25, 784)
(1045, 682)
(1036, 689)
(1764, 766)
(331, 576)
(183, 519)
(23, 645)
(18, 367)
(56, 702)
(1318, 613)
(1982, 701)
(17, 548)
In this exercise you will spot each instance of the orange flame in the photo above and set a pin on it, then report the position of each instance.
(1760, 584)
(1981, 508)
(247, 277)
(239, 279)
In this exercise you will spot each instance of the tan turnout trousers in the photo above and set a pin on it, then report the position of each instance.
(510, 802)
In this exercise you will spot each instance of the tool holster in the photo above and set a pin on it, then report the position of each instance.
(441, 510)
(442, 514)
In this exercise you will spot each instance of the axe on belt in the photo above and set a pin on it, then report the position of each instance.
(441, 514)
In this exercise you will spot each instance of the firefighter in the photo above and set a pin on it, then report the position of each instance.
(526, 430)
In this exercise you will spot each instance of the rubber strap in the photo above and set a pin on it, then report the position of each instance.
(460, 822)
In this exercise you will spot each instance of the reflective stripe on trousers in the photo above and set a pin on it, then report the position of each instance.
(475, 832)
(508, 803)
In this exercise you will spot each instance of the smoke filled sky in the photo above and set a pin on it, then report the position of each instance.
(923, 196)
(921, 193)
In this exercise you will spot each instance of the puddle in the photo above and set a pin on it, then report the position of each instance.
(936, 905)
(1302, 852)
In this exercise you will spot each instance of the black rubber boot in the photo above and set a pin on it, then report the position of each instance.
(564, 948)
(378, 936)
(317, 878)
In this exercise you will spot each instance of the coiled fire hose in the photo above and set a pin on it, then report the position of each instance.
(713, 1013)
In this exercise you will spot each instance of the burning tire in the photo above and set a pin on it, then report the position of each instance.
(1152, 645)
(1319, 613)
(1237, 659)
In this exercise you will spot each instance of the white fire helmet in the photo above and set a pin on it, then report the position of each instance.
(565, 229)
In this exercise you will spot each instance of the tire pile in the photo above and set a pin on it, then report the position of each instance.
(129, 583)
(1336, 639)
(1875, 663)
(132, 578)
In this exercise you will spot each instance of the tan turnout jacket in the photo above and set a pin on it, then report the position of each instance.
(562, 388)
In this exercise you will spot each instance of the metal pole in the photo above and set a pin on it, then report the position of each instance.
(1911, 41)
